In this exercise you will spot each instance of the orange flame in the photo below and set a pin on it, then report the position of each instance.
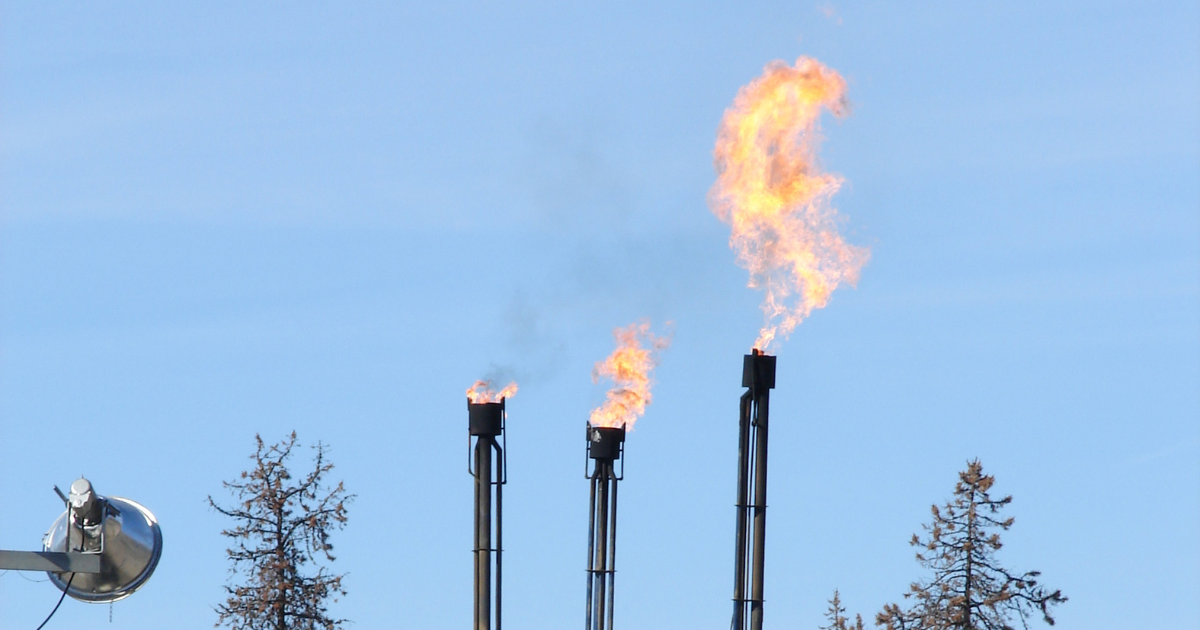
(776, 200)
(481, 392)
(628, 367)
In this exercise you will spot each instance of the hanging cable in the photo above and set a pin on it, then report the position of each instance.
(60, 601)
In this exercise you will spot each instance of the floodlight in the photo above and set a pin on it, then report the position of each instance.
(100, 549)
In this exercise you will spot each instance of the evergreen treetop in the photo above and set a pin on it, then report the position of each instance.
(969, 589)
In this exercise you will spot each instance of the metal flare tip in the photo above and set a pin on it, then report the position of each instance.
(485, 418)
(758, 370)
(605, 442)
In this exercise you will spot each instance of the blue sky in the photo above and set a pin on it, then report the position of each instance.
(224, 220)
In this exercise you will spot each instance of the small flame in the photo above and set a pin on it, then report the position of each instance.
(481, 392)
(776, 200)
(628, 367)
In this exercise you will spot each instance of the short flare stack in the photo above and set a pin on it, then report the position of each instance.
(488, 465)
(605, 447)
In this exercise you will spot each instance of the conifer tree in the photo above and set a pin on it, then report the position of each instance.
(835, 616)
(281, 526)
(969, 589)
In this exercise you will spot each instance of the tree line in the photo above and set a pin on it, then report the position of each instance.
(280, 542)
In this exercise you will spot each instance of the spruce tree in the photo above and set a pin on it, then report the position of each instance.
(835, 616)
(281, 527)
(969, 589)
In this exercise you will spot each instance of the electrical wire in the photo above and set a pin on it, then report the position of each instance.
(60, 601)
(29, 579)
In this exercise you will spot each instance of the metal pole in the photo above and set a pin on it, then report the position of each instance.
(762, 402)
(475, 535)
(591, 558)
(499, 530)
(483, 532)
(742, 506)
(612, 548)
(601, 544)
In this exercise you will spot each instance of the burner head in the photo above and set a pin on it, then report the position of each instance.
(758, 371)
(604, 442)
(485, 418)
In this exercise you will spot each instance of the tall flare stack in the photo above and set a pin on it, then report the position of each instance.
(771, 191)
(487, 463)
(605, 447)
(758, 377)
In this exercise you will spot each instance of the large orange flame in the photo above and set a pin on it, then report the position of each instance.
(628, 367)
(481, 392)
(774, 197)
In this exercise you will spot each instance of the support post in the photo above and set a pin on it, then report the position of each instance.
(741, 539)
(760, 508)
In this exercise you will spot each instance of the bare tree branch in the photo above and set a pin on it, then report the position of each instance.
(280, 525)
